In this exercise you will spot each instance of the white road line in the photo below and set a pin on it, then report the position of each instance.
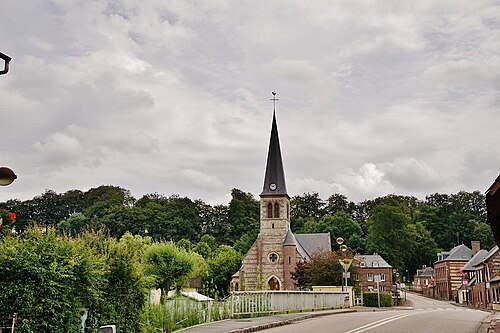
(380, 323)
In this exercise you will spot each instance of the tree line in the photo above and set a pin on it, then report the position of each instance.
(405, 230)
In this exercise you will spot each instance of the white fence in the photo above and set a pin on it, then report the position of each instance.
(258, 302)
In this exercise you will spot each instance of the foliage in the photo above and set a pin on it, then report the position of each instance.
(388, 234)
(124, 293)
(221, 267)
(370, 298)
(168, 265)
(323, 269)
(47, 279)
(243, 213)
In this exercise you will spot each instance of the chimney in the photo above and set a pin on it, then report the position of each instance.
(476, 246)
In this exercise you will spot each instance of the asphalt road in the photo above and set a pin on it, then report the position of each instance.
(426, 316)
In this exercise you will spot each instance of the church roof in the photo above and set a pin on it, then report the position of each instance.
(274, 179)
(312, 243)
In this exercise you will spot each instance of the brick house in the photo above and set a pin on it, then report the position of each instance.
(448, 271)
(484, 286)
(370, 266)
(471, 275)
(424, 281)
(274, 255)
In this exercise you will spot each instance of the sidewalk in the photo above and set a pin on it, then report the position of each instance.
(259, 323)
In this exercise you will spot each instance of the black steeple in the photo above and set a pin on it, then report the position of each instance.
(274, 180)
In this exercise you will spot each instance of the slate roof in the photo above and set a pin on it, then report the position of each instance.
(427, 271)
(476, 259)
(275, 173)
(491, 253)
(369, 259)
(460, 252)
(311, 243)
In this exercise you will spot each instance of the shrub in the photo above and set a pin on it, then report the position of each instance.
(370, 298)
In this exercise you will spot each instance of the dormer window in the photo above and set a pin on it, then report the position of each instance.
(362, 264)
(375, 264)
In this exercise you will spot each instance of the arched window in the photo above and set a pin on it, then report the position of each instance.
(276, 210)
(269, 210)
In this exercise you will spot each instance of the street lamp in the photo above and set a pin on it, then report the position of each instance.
(7, 176)
(6, 60)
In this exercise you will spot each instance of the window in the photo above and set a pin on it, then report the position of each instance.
(289, 260)
(269, 210)
(375, 264)
(362, 264)
(272, 225)
(426, 282)
(370, 276)
(382, 277)
(273, 257)
(276, 210)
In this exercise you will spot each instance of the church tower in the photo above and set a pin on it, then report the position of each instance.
(274, 214)
(268, 264)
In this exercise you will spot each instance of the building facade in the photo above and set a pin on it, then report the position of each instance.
(372, 268)
(448, 272)
(277, 250)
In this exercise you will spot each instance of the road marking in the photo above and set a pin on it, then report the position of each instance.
(380, 322)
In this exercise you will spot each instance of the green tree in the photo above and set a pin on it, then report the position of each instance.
(47, 279)
(220, 269)
(342, 225)
(388, 234)
(243, 214)
(73, 225)
(168, 266)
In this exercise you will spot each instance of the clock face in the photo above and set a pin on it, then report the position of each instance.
(272, 186)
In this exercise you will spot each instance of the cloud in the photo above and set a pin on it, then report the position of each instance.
(173, 97)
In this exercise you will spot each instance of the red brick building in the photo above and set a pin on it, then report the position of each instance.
(424, 281)
(448, 271)
(371, 266)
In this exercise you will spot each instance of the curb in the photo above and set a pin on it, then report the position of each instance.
(286, 322)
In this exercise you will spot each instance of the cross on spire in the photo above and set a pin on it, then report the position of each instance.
(274, 99)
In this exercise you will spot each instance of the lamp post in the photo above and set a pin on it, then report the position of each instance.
(345, 266)
(7, 176)
(6, 60)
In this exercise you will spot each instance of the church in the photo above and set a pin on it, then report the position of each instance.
(277, 250)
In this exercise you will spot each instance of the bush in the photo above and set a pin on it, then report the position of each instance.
(370, 299)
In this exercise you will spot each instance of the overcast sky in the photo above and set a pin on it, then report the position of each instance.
(375, 97)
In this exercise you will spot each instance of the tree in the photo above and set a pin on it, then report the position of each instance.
(47, 279)
(220, 269)
(338, 202)
(243, 214)
(323, 269)
(307, 205)
(168, 266)
(388, 234)
(342, 225)
(73, 225)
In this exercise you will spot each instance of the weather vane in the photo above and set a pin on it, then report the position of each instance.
(274, 99)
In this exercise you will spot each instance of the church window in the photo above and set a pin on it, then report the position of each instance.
(273, 257)
(276, 210)
(269, 210)
(287, 211)
(272, 225)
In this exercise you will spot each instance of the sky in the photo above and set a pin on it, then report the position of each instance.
(173, 97)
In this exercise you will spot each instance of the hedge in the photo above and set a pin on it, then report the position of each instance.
(370, 299)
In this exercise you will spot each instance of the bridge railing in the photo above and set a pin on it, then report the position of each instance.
(267, 302)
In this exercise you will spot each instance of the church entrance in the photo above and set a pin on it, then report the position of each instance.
(274, 284)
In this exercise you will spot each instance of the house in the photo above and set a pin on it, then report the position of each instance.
(274, 255)
(424, 281)
(448, 271)
(372, 267)
(471, 275)
(483, 282)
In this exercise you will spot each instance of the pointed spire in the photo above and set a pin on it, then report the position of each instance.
(274, 180)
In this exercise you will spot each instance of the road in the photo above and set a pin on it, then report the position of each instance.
(426, 316)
